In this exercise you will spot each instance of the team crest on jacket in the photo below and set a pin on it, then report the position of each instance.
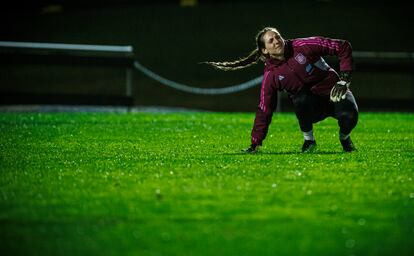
(300, 58)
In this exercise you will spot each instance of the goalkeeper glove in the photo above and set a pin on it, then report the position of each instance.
(345, 76)
(340, 89)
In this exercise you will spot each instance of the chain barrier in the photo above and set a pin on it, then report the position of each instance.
(197, 90)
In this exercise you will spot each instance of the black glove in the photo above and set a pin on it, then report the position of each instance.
(252, 149)
(345, 76)
(338, 92)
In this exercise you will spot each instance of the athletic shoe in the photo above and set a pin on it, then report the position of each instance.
(308, 146)
(347, 145)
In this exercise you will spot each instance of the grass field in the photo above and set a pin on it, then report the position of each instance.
(177, 184)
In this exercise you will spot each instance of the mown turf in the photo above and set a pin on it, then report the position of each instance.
(177, 184)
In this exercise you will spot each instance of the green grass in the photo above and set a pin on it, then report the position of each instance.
(177, 184)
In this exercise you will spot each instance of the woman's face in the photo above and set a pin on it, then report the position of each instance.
(274, 44)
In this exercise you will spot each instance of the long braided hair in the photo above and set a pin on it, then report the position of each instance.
(253, 57)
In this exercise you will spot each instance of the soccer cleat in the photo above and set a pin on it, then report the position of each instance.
(252, 149)
(347, 145)
(308, 146)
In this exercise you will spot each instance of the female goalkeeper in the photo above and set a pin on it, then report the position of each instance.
(314, 88)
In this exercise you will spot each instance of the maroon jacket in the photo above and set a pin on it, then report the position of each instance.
(303, 67)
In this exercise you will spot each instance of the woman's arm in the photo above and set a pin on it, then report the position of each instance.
(264, 113)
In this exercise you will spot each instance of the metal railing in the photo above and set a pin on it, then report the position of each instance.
(67, 54)
(123, 56)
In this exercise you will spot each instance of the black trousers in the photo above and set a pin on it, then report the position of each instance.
(311, 108)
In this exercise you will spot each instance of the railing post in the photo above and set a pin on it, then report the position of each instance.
(128, 84)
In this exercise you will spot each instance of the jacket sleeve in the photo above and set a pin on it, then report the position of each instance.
(335, 47)
(267, 105)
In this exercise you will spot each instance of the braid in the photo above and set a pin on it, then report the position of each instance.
(241, 63)
(252, 58)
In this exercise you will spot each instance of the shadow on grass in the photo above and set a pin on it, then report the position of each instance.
(285, 153)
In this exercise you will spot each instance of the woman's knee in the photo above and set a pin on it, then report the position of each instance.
(347, 120)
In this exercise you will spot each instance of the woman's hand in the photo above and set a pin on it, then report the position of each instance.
(338, 92)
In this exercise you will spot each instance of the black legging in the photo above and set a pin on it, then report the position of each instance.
(311, 108)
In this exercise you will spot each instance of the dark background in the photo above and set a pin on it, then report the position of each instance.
(171, 39)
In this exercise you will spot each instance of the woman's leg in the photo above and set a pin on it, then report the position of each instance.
(346, 112)
(303, 103)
